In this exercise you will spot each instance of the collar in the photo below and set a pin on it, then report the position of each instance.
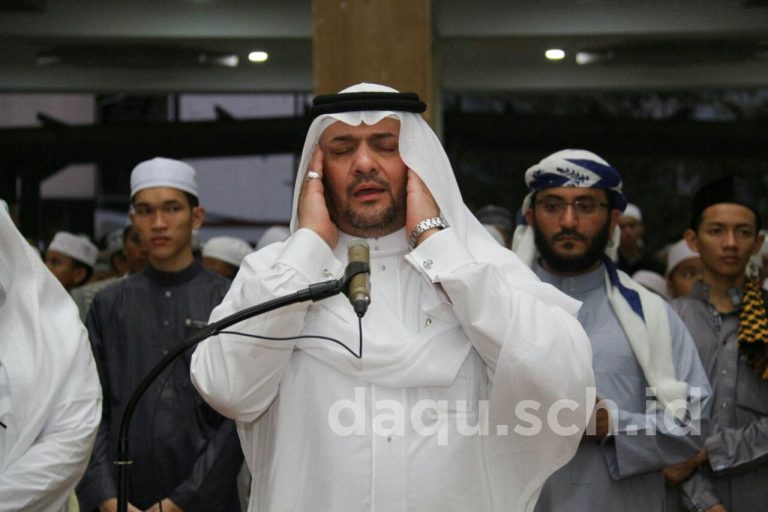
(571, 285)
(174, 278)
(701, 291)
(387, 245)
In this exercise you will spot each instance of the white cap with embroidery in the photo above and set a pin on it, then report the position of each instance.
(164, 172)
(678, 253)
(227, 248)
(78, 247)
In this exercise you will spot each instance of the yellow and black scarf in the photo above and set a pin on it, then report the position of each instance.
(753, 328)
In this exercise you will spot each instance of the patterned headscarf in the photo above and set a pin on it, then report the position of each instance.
(574, 168)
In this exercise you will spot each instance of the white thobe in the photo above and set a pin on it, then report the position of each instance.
(50, 398)
(322, 431)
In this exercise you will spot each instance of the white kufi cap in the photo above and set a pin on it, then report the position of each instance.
(164, 172)
(273, 235)
(678, 253)
(632, 210)
(78, 247)
(651, 280)
(227, 248)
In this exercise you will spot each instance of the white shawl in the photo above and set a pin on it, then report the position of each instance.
(51, 406)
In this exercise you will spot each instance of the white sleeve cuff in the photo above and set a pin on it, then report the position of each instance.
(308, 253)
(439, 255)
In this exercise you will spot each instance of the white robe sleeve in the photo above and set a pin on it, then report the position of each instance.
(527, 333)
(239, 376)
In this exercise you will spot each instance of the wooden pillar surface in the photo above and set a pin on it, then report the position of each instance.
(388, 42)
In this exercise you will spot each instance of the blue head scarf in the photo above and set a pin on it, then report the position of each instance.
(574, 168)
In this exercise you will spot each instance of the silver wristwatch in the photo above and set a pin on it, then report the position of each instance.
(426, 225)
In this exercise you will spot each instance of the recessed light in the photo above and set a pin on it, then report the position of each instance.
(227, 60)
(258, 56)
(554, 54)
(592, 56)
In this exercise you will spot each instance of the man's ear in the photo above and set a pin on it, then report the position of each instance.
(615, 215)
(529, 216)
(692, 240)
(198, 216)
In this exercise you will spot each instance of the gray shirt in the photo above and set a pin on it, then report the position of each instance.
(625, 471)
(737, 442)
(180, 447)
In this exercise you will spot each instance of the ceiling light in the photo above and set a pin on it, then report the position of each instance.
(258, 56)
(227, 60)
(583, 58)
(554, 54)
(593, 56)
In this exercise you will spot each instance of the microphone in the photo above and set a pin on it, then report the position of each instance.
(359, 291)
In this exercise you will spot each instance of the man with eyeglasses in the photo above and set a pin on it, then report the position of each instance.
(185, 455)
(650, 384)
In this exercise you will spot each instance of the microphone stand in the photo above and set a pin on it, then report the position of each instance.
(314, 292)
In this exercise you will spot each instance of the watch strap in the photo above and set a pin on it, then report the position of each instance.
(426, 225)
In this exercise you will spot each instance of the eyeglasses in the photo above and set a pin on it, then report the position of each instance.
(553, 205)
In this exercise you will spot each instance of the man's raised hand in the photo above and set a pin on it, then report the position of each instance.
(420, 205)
(312, 211)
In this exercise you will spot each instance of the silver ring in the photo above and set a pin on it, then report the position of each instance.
(313, 175)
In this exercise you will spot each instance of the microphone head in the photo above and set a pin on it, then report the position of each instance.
(358, 250)
(359, 291)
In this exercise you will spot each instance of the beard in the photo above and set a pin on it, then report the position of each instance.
(572, 264)
(367, 225)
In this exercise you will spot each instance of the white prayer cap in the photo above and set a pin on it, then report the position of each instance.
(227, 248)
(78, 247)
(164, 172)
(678, 253)
(651, 280)
(273, 235)
(632, 210)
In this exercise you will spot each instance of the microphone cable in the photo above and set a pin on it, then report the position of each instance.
(314, 292)
(169, 373)
(358, 355)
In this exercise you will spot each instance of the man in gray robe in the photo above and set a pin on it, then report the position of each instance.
(185, 455)
(726, 317)
(650, 384)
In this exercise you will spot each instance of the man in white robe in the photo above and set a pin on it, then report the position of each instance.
(648, 374)
(457, 327)
(50, 398)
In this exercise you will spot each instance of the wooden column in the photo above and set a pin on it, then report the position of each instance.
(387, 42)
